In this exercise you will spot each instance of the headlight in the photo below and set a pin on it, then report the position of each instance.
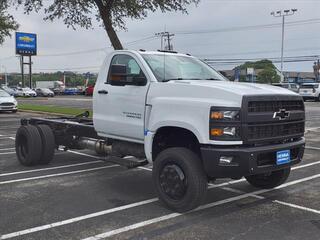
(225, 124)
(220, 115)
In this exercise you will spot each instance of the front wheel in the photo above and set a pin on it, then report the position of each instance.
(179, 179)
(269, 180)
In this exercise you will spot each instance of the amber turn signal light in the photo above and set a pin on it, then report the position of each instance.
(216, 115)
(216, 132)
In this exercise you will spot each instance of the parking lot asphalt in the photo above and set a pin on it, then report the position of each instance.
(78, 196)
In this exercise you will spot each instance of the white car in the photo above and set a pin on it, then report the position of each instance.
(7, 102)
(310, 91)
(28, 92)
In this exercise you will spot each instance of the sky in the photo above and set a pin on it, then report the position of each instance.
(212, 27)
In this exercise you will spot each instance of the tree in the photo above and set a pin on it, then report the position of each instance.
(268, 75)
(262, 64)
(7, 23)
(267, 72)
(112, 13)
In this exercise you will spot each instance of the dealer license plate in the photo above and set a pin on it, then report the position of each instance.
(283, 157)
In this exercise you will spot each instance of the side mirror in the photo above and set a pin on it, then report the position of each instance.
(118, 75)
(139, 80)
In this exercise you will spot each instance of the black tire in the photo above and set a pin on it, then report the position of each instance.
(182, 168)
(271, 180)
(48, 144)
(14, 111)
(28, 145)
(317, 99)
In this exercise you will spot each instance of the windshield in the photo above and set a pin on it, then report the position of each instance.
(4, 94)
(173, 67)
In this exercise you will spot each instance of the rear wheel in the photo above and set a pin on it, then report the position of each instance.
(28, 145)
(179, 179)
(48, 144)
(269, 180)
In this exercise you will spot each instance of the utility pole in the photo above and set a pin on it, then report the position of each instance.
(316, 69)
(5, 74)
(166, 37)
(283, 14)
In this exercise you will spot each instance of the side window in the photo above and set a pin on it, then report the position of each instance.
(133, 68)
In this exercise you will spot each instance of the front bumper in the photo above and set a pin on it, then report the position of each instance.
(248, 160)
(8, 108)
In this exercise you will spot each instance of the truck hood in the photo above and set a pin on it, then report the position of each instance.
(214, 93)
(238, 88)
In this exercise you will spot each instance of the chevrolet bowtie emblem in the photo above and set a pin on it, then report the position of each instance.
(282, 114)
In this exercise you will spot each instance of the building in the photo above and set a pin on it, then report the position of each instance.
(292, 77)
(299, 77)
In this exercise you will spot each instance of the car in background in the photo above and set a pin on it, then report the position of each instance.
(17, 92)
(290, 86)
(7, 102)
(71, 91)
(9, 90)
(28, 92)
(89, 91)
(310, 91)
(44, 92)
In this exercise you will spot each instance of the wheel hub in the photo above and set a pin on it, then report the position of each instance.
(173, 181)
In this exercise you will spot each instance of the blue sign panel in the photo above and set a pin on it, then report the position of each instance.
(283, 157)
(26, 43)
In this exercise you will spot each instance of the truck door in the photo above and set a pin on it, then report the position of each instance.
(119, 110)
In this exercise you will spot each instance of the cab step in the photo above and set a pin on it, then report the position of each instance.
(129, 162)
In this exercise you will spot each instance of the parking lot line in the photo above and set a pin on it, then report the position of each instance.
(311, 129)
(56, 175)
(312, 148)
(4, 138)
(112, 210)
(297, 206)
(274, 201)
(49, 168)
(210, 205)
(6, 149)
(6, 153)
(77, 219)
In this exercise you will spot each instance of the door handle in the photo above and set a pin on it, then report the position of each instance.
(103, 92)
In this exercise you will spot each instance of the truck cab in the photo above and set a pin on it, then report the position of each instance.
(188, 121)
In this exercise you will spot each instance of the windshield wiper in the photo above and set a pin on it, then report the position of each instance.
(175, 79)
(215, 79)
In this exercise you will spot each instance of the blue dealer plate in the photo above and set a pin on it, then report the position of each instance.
(283, 157)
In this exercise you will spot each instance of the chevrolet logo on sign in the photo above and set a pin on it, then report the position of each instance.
(26, 39)
(282, 114)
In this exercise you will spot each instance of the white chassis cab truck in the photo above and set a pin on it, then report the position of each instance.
(177, 113)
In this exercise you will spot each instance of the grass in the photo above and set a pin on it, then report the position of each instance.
(52, 109)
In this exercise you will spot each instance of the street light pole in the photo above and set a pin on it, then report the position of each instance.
(283, 14)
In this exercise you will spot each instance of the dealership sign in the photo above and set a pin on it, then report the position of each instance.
(26, 44)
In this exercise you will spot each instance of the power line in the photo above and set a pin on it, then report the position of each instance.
(251, 27)
(258, 52)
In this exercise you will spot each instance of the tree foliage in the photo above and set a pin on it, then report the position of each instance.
(267, 72)
(7, 22)
(268, 75)
(112, 13)
(262, 64)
